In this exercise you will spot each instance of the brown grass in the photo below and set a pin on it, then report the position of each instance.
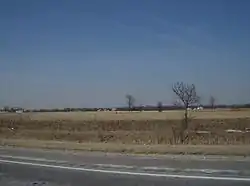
(150, 115)
(241, 150)
(127, 128)
(147, 132)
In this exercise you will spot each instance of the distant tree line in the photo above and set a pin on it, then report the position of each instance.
(186, 95)
(158, 107)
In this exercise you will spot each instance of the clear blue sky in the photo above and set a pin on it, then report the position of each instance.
(87, 53)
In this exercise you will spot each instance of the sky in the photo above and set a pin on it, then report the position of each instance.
(91, 53)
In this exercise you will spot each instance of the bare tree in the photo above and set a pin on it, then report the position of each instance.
(159, 106)
(188, 96)
(212, 101)
(130, 101)
(6, 108)
(140, 107)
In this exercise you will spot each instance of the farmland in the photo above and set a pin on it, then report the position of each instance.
(207, 127)
(124, 115)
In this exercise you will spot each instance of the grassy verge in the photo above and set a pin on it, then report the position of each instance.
(241, 150)
(136, 132)
(206, 136)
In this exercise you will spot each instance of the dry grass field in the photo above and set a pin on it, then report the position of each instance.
(146, 115)
(207, 127)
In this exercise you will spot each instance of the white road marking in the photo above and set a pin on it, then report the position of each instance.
(170, 169)
(115, 166)
(149, 168)
(32, 159)
(128, 173)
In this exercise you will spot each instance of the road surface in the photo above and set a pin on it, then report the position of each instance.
(25, 167)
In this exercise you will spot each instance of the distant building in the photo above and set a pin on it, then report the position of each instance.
(16, 109)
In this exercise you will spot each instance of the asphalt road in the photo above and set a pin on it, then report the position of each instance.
(24, 167)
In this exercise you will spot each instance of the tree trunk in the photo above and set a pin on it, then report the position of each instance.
(184, 127)
(185, 120)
